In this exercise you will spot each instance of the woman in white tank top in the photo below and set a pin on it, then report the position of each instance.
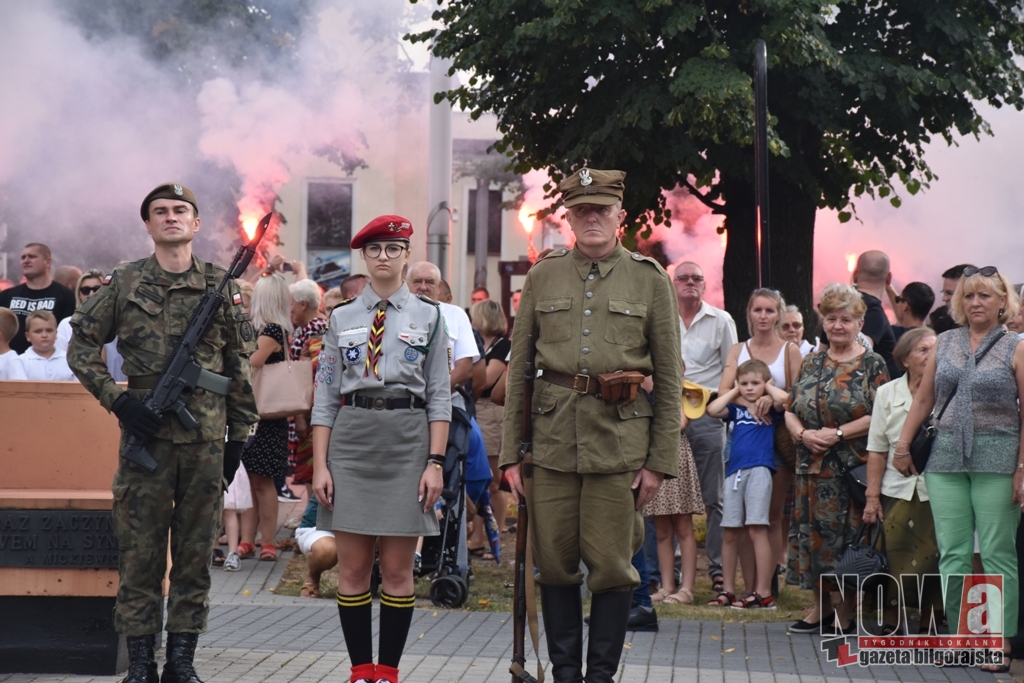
(764, 311)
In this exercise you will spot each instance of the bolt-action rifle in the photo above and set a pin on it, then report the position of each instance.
(182, 375)
(523, 591)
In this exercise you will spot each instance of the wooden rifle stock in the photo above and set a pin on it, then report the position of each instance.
(519, 617)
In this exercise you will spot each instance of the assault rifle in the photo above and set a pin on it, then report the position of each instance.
(520, 589)
(182, 375)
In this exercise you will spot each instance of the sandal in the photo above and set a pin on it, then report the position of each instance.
(723, 599)
(754, 601)
(218, 557)
(246, 550)
(660, 595)
(684, 596)
(309, 590)
(481, 553)
(269, 553)
(717, 583)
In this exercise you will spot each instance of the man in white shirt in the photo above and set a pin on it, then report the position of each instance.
(424, 278)
(42, 361)
(707, 335)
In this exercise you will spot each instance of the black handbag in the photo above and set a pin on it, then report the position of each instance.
(921, 445)
(860, 560)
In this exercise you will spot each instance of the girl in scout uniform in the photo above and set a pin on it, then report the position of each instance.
(380, 425)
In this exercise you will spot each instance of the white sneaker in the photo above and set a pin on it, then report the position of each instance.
(232, 563)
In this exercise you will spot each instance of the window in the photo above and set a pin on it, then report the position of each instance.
(494, 200)
(328, 215)
(328, 231)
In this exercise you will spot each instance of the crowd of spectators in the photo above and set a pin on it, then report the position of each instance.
(841, 383)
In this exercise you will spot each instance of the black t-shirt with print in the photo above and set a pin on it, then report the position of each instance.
(22, 301)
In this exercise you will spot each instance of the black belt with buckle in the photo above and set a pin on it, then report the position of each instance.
(381, 403)
(581, 384)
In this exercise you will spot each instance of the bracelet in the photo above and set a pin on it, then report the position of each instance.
(901, 441)
(900, 455)
(436, 459)
(1020, 466)
(800, 437)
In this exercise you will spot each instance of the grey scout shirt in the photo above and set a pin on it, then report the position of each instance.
(414, 359)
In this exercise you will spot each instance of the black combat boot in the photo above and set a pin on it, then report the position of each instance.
(141, 660)
(563, 625)
(609, 614)
(181, 649)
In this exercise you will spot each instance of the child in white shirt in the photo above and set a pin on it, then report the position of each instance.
(43, 361)
(8, 328)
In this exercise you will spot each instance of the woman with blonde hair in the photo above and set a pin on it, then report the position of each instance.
(828, 417)
(266, 454)
(765, 308)
(976, 468)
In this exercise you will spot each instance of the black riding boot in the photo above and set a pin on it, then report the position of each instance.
(181, 649)
(609, 613)
(141, 660)
(563, 624)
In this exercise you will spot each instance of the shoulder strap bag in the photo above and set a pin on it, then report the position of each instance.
(283, 389)
(921, 445)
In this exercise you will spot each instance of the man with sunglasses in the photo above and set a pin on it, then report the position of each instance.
(39, 292)
(707, 335)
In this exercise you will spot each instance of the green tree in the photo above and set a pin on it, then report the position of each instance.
(662, 89)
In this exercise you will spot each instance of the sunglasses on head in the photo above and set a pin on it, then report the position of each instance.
(987, 271)
(86, 291)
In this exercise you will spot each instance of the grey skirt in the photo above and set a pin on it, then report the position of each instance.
(376, 458)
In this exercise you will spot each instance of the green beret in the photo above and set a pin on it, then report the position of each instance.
(591, 186)
(169, 191)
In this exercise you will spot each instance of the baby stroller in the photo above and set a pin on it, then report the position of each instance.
(442, 561)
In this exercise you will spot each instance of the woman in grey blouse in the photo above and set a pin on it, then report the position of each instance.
(976, 468)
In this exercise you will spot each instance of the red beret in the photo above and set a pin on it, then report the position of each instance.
(383, 228)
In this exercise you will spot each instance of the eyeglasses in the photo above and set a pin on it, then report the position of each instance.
(791, 326)
(684, 278)
(987, 271)
(86, 291)
(899, 299)
(391, 250)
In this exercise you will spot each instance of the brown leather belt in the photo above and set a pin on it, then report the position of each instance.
(143, 381)
(581, 384)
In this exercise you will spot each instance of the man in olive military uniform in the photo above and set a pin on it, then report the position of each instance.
(591, 310)
(146, 305)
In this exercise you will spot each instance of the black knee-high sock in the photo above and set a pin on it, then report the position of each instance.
(395, 619)
(356, 618)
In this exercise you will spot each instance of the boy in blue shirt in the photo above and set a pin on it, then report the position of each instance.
(748, 479)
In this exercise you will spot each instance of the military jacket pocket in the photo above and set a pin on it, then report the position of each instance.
(143, 327)
(625, 322)
(246, 337)
(554, 319)
(352, 346)
(634, 426)
(414, 344)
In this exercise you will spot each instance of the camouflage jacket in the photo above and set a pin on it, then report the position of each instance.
(147, 310)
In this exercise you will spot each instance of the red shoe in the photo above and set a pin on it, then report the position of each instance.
(386, 674)
(246, 550)
(363, 673)
(268, 552)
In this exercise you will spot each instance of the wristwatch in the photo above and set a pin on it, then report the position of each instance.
(839, 433)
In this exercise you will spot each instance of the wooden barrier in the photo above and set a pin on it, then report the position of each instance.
(58, 552)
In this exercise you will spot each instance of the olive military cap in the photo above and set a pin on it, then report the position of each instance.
(169, 191)
(590, 186)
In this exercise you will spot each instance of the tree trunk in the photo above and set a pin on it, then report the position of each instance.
(791, 213)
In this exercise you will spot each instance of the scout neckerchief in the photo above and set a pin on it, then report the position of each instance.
(376, 349)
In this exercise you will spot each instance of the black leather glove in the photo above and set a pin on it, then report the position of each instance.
(136, 417)
(232, 458)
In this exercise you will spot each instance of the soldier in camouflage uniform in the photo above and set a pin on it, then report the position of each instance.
(146, 305)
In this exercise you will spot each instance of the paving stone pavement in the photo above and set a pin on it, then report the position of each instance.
(256, 636)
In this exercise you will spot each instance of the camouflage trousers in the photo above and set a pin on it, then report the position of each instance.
(183, 496)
